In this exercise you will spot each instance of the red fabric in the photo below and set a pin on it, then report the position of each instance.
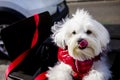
(80, 68)
(16, 62)
(22, 56)
(41, 76)
(35, 37)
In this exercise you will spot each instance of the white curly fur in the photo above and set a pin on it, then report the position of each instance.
(98, 40)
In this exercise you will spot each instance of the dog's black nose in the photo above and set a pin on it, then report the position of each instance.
(82, 43)
(80, 40)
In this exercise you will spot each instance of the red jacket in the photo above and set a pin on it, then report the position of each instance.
(80, 68)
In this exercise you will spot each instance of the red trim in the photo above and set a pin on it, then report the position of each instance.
(35, 37)
(15, 63)
(22, 56)
(41, 76)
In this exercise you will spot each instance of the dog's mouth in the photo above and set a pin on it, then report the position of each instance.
(82, 43)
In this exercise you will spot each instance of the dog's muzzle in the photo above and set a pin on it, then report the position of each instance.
(82, 43)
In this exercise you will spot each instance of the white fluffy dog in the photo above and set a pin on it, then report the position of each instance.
(83, 44)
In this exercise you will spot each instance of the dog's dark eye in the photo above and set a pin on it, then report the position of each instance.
(88, 32)
(73, 32)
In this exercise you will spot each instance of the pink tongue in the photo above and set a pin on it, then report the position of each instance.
(83, 44)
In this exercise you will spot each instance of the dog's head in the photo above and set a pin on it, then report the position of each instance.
(84, 37)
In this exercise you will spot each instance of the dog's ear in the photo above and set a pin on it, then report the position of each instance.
(104, 36)
(58, 35)
(60, 40)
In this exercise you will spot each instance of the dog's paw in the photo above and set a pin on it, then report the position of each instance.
(96, 75)
(60, 72)
(60, 76)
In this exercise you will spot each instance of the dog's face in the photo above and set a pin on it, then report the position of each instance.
(83, 36)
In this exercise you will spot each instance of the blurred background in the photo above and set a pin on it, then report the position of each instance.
(105, 11)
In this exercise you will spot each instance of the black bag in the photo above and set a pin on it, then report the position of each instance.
(18, 37)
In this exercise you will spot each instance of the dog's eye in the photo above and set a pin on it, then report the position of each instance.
(73, 32)
(88, 32)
